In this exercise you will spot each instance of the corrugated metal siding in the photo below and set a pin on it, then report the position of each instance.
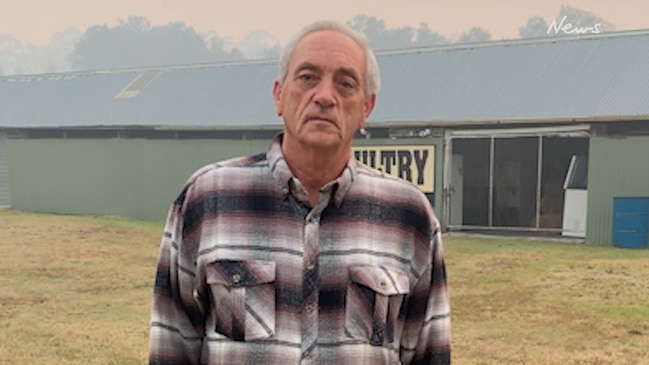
(60, 100)
(234, 96)
(131, 177)
(543, 80)
(4, 171)
(617, 168)
(207, 96)
(125, 177)
(601, 76)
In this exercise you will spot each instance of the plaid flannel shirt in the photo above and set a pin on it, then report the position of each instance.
(250, 273)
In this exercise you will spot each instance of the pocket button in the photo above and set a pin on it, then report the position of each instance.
(236, 278)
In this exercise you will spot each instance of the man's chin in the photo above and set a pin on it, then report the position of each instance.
(324, 140)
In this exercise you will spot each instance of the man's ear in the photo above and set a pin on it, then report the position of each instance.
(277, 96)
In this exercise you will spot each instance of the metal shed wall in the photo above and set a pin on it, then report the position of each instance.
(4, 171)
(618, 167)
(132, 178)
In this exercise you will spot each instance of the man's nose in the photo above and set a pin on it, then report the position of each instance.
(324, 93)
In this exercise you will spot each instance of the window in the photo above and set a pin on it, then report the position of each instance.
(577, 176)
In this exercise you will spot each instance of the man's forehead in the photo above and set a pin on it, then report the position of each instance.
(303, 56)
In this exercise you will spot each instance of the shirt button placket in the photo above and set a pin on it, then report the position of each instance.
(307, 357)
(310, 289)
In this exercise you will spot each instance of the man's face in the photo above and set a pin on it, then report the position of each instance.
(323, 99)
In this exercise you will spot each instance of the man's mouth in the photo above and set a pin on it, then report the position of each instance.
(320, 119)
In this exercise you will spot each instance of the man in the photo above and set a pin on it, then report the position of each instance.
(302, 255)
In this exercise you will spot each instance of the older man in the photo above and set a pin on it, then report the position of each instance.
(302, 255)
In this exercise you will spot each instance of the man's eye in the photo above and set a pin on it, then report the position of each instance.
(306, 77)
(347, 85)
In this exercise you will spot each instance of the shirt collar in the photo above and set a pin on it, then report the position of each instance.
(284, 177)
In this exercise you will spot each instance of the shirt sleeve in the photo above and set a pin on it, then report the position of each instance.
(177, 318)
(427, 336)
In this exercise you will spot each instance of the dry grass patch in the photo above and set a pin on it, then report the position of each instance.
(530, 302)
(77, 290)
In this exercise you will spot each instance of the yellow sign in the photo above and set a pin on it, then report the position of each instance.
(413, 163)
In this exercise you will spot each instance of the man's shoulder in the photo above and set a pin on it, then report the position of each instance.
(393, 192)
(232, 166)
(373, 176)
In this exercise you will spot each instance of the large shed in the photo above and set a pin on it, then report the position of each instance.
(534, 136)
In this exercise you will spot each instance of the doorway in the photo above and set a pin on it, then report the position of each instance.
(510, 182)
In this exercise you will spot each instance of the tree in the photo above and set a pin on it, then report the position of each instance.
(380, 37)
(394, 38)
(259, 44)
(19, 58)
(219, 50)
(135, 43)
(536, 27)
(271, 52)
(474, 35)
(372, 27)
(425, 37)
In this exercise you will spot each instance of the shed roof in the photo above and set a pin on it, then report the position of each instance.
(596, 77)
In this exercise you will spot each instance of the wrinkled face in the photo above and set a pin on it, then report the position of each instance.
(322, 99)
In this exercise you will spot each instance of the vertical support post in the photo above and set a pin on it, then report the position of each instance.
(492, 150)
(539, 179)
(446, 180)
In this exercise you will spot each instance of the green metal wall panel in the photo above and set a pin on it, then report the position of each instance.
(134, 178)
(617, 168)
(4, 171)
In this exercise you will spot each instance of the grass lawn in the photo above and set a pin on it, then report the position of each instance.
(77, 290)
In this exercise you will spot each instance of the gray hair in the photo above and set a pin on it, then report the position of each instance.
(372, 78)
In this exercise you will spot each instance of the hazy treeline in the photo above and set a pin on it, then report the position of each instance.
(134, 42)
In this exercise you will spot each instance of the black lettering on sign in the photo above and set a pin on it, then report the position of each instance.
(366, 157)
(373, 159)
(405, 160)
(420, 161)
(387, 160)
(411, 163)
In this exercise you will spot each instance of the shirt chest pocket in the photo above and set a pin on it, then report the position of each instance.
(373, 301)
(243, 295)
